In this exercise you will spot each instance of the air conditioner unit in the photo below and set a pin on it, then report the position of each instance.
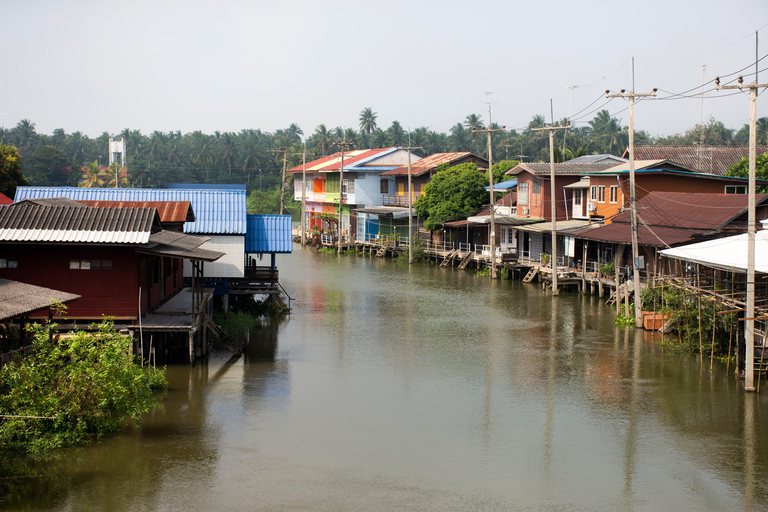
(525, 210)
(592, 207)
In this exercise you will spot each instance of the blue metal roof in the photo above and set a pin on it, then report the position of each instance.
(268, 234)
(504, 185)
(218, 211)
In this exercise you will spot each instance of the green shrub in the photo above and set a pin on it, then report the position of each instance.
(79, 387)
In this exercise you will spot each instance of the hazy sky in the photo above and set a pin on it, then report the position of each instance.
(98, 66)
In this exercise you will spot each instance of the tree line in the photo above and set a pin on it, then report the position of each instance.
(248, 156)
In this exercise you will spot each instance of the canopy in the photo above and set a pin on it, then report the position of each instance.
(504, 185)
(724, 253)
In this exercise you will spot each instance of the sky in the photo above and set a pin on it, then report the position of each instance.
(96, 66)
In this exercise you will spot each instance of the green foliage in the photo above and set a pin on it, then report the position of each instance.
(504, 273)
(50, 166)
(624, 321)
(607, 269)
(86, 383)
(10, 170)
(500, 168)
(741, 170)
(484, 271)
(453, 193)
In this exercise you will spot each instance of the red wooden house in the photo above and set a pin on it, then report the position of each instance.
(119, 260)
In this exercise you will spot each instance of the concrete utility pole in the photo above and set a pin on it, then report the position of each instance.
(410, 201)
(635, 251)
(490, 130)
(343, 144)
(303, 191)
(553, 205)
(749, 320)
(284, 151)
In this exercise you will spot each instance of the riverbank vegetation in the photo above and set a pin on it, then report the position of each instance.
(699, 325)
(73, 389)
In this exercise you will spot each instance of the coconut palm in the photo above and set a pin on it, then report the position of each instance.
(459, 139)
(205, 158)
(229, 154)
(93, 177)
(323, 139)
(397, 135)
(368, 123)
(112, 177)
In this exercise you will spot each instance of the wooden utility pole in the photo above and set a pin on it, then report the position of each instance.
(553, 205)
(749, 322)
(410, 200)
(284, 151)
(632, 196)
(343, 144)
(490, 130)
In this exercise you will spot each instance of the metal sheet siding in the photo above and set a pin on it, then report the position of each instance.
(232, 264)
(268, 234)
(217, 211)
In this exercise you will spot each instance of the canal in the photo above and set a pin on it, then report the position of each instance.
(391, 388)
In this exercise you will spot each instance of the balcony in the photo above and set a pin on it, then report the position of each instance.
(397, 200)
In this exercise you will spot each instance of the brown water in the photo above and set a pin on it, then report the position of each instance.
(426, 389)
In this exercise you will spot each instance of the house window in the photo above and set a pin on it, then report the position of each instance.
(601, 193)
(735, 189)
(593, 192)
(536, 185)
(90, 264)
(577, 197)
(351, 185)
(522, 194)
(384, 187)
(614, 193)
(344, 186)
(9, 263)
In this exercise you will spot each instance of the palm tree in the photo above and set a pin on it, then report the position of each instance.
(473, 122)
(458, 139)
(94, 176)
(228, 140)
(368, 123)
(112, 178)
(397, 135)
(538, 121)
(204, 158)
(323, 139)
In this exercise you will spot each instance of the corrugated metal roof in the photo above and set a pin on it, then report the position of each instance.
(658, 236)
(707, 159)
(29, 222)
(352, 159)
(268, 234)
(20, 298)
(169, 211)
(217, 210)
(543, 170)
(431, 162)
(697, 211)
(180, 245)
(591, 159)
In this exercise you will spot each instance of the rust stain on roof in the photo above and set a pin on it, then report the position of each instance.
(169, 211)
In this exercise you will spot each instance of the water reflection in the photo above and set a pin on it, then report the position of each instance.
(431, 389)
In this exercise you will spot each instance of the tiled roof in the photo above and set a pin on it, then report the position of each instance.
(565, 168)
(217, 210)
(706, 159)
(169, 211)
(20, 298)
(268, 234)
(29, 222)
(431, 162)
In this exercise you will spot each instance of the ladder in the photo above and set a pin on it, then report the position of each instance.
(448, 258)
(531, 274)
(381, 252)
(465, 261)
(226, 340)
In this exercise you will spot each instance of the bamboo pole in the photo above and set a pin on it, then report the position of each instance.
(698, 293)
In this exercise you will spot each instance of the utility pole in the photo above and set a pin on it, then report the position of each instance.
(749, 320)
(410, 201)
(635, 252)
(343, 145)
(490, 130)
(303, 192)
(284, 151)
(553, 205)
